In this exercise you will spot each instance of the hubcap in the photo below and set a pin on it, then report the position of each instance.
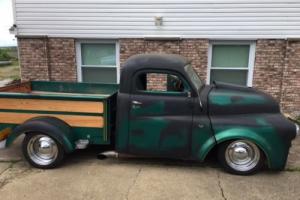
(242, 155)
(42, 150)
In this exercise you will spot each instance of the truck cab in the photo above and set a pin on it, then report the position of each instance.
(161, 111)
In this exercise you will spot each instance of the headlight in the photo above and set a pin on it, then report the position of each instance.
(297, 129)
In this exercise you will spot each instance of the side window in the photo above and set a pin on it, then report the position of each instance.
(160, 82)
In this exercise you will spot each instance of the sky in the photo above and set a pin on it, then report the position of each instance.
(6, 21)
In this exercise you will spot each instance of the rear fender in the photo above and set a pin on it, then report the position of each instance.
(54, 127)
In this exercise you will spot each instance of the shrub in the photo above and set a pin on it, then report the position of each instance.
(4, 56)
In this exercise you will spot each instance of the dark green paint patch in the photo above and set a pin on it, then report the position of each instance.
(146, 133)
(223, 98)
(174, 140)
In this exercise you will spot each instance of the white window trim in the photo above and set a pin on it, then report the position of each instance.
(78, 56)
(250, 62)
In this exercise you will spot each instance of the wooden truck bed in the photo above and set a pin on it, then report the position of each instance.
(85, 107)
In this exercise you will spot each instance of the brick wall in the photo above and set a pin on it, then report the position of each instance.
(290, 98)
(193, 49)
(47, 59)
(196, 50)
(130, 47)
(33, 59)
(62, 59)
(172, 47)
(156, 82)
(269, 65)
(277, 72)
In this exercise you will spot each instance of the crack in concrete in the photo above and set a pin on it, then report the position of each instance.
(220, 186)
(5, 181)
(9, 179)
(10, 161)
(133, 183)
(9, 166)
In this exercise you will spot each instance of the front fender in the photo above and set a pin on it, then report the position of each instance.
(265, 137)
(54, 127)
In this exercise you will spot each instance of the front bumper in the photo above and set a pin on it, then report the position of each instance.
(297, 130)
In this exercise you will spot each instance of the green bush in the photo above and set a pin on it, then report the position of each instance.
(4, 56)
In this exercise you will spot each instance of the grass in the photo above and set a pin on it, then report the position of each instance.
(11, 71)
(298, 120)
(294, 169)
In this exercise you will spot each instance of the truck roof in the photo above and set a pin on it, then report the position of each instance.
(150, 61)
(161, 61)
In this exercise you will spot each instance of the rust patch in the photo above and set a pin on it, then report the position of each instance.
(5, 133)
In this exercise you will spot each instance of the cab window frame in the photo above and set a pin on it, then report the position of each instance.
(186, 84)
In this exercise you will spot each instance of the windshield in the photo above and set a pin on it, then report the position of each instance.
(193, 77)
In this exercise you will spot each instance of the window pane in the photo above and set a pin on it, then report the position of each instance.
(229, 76)
(98, 54)
(159, 82)
(99, 75)
(230, 55)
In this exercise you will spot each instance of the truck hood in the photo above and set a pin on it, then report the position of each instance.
(233, 99)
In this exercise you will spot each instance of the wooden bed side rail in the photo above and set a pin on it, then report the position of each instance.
(22, 87)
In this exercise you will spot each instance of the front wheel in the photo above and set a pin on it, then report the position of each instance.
(240, 157)
(42, 151)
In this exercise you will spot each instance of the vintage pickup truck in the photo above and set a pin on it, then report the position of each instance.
(160, 109)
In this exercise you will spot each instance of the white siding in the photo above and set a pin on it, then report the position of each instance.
(213, 19)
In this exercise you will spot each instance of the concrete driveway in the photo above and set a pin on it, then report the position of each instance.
(85, 177)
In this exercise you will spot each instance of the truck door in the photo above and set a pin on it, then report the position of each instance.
(160, 115)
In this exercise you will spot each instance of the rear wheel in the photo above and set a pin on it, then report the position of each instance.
(42, 151)
(240, 157)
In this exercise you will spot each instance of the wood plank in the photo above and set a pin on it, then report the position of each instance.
(51, 105)
(72, 120)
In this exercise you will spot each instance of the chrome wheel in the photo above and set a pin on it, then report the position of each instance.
(242, 155)
(42, 150)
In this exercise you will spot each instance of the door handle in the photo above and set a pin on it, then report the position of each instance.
(136, 103)
(201, 125)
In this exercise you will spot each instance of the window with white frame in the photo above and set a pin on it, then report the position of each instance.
(97, 61)
(231, 62)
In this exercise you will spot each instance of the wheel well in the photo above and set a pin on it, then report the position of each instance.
(214, 149)
(18, 137)
(54, 127)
